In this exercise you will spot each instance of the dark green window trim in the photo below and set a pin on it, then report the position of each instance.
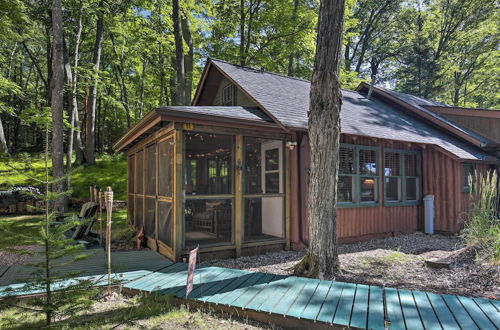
(471, 167)
(403, 178)
(358, 176)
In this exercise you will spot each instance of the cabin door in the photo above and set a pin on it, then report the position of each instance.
(272, 183)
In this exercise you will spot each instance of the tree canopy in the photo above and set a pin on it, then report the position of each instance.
(151, 55)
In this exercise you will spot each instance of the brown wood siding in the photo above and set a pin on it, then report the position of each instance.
(489, 127)
(440, 176)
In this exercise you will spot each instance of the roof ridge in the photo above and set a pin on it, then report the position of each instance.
(258, 70)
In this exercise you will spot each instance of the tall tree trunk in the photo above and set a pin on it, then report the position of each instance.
(74, 102)
(90, 137)
(57, 104)
(291, 57)
(143, 80)
(242, 33)
(321, 258)
(179, 55)
(188, 60)
(3, 141)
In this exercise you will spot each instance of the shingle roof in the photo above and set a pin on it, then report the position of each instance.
(287, 99)
(420, 104)
(245, 113)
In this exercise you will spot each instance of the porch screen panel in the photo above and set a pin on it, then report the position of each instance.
(151, 170)
(165, 167)
(165, 222)
(131, 174)
(140, 172)
(150, 225)
(139, 223)
(130, 209)
(208, 185)
(263, 189)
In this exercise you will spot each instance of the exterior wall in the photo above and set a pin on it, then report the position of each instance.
(440, 176)
(487, 126)
(241, 98)
(443, 179)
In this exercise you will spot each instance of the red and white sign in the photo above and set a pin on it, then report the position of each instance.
(193, 254)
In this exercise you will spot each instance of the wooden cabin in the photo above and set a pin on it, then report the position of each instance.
(230, 173)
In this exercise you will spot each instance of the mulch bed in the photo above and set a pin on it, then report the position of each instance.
(11, 258)
(393, 262)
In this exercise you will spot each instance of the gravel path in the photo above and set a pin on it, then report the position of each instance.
(10, 258)
(392, 262)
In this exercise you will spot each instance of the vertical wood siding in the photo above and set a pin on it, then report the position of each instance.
(440, 176)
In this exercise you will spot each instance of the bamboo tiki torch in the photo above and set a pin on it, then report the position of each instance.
(109, 209)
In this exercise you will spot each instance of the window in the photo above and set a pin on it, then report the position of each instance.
(228, 95)
(467, 171)
(358, 176)
(264, 194)
(402, 177)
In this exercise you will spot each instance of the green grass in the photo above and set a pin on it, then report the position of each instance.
(19, 226)
(137, 312)
(109, 170)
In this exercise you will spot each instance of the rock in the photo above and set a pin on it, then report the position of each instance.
(438, 263)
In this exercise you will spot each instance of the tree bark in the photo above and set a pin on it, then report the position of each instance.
(242, 33)
(74, 102)
(179, 55)
(143, 80)
(321, 258)
(188, 60)
(90, 137)
(291, 57)
(3, 141)
(57, 103)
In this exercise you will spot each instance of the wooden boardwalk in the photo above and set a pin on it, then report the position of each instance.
(326, 302)
(298, 299)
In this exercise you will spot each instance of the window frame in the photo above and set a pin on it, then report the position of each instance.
(403, 177)
(358, 176)
(228, 96)
(467, 188)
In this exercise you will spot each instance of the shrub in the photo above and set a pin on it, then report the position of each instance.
(482, 227)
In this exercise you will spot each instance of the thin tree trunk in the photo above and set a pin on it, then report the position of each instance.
(291, 57)
(143, 79)
(179, 54)
(91, 112)
(57, 104)
(321, 258)
(188, 60)
(74, 102)
(123, 86)
(242, 33)
(3, 141)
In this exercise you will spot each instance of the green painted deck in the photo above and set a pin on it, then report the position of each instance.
(336, 303)
(324, 302)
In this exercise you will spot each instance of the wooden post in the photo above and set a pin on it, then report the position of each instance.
(108, 196)
(91, 192)
(238, 196)
(100, 214)
(178, 194)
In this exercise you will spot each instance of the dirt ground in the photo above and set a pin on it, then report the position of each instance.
(393, 262)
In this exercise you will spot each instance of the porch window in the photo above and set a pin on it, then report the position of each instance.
(208, 186)
(467, 171)
(402, 177)
(263, 189)
(358, 176)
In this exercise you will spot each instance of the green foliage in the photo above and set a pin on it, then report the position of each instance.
(482, 227)
(109, 170)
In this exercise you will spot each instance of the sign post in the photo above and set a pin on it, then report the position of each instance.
(193, 254)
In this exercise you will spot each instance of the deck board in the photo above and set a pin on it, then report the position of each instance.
(410, 311)
(314, 306)
(327, 302)
(376, 319)
(427, 314)
(330, 305)
(360, 308)
(394, 309)
(459, 312)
